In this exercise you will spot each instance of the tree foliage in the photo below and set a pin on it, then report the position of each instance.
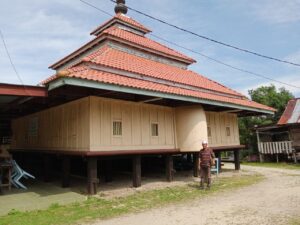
(270, 96)
(267, 95)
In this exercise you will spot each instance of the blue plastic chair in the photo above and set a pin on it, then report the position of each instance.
(216, 167)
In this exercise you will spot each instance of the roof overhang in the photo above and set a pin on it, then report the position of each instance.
(22, 90)
(111, 87)
(12, 99)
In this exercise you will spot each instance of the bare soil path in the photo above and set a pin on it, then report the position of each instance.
(272, 201)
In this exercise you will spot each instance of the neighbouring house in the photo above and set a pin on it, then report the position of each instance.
(123, 94)
(282, 138)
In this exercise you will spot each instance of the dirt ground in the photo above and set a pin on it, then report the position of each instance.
(272, 201)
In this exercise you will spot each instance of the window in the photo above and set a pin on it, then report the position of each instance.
(208, 131)
(33, 127)
(154, 129)
(227, 131)
(117, 128)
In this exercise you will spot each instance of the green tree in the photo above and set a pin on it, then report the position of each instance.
(267, 95)
(270, 96)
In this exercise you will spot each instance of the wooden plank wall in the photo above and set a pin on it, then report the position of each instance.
(136, 125)
(295, 137)
(218, 123)
(65, 127)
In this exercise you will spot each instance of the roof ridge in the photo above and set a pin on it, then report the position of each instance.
(124, 19)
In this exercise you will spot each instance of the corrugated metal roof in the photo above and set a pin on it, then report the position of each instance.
(291, 113)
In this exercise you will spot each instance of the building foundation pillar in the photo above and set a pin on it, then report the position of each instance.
(92, 181)
(237, 164)
(169, 168)
(66, 166)
(136, 171)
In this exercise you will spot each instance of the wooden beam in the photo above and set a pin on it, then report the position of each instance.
(237, 164)
(196, 164)
(169, 168)
(66, 166)
(232, 111)
(136, 171)
(47, 170)
(92, 181)
(151, 100)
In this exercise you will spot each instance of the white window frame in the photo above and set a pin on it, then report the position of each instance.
(120, 128)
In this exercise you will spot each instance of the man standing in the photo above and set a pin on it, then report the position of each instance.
(206, 158)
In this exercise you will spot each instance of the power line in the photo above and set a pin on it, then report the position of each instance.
(211, 39)
(10, 59)
(208, 57)
(224, 64)
(95, 7)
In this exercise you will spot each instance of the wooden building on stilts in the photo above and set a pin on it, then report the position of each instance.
(281, 140)
(123, 94)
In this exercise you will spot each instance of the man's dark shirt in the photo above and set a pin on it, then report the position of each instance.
(205, 156)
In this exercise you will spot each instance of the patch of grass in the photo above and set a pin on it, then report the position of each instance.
(294, 221)
(98, 208)
(280, 165)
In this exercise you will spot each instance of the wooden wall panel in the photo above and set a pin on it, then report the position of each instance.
(218, 123)
(65, 127)
(136, 125)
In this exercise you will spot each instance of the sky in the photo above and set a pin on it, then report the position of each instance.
(40, 32)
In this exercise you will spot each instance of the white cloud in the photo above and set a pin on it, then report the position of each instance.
(294, 57)
(277, 11)
(292, 79)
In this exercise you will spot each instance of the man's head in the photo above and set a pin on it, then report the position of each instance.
(204, 144)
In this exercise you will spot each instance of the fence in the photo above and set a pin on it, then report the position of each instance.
(277, 147)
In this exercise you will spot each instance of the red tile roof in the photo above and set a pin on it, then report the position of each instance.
(161, 77)
(291, 113)
(84, 72)
(130, 38)
(113, 58)
(145, 42)
(123, 18)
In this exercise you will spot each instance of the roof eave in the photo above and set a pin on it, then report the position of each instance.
(22, 90)
(97, 85)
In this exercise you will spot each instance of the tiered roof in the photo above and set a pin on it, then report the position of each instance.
(122, 55)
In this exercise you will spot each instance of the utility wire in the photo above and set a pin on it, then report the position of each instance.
(10, 59)
(95, 7)
(210, 39)
(208, 57)
(224, 64)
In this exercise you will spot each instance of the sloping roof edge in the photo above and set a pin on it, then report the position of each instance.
(291, 113)
(59, 82)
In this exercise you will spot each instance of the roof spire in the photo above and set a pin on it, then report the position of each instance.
(120, 7)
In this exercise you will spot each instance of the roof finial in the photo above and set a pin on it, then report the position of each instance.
(120, 7)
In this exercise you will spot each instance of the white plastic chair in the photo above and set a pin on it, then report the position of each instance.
(18, 173)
